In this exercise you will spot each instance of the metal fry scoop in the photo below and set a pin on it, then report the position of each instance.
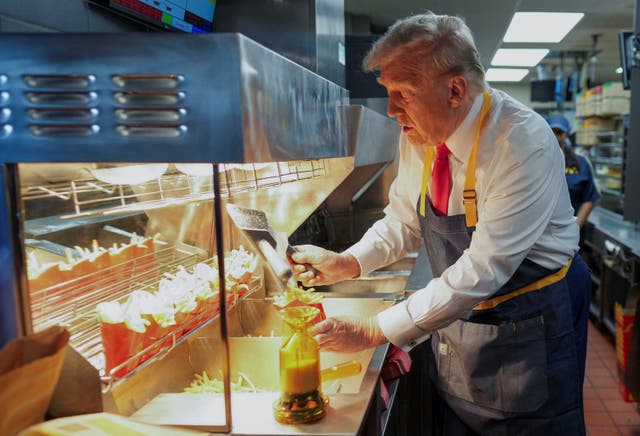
(255, 225)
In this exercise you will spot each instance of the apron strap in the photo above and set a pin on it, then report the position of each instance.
(426, 171)
(469, 199)
(535, 286)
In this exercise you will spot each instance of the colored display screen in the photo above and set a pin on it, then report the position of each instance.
(193, 16)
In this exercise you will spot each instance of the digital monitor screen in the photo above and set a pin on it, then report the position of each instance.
(626, 40)
(193, 16)
(543, 90)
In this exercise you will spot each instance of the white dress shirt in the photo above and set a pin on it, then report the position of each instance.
(524, 211)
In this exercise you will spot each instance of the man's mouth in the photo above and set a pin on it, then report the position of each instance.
(407, 128)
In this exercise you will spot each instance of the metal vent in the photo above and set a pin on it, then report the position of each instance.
(61, 105)
(149, 105)
(5, 112)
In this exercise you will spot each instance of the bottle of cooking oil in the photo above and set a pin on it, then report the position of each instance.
(301, 399)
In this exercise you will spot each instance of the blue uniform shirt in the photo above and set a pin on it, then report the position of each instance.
(582, 187)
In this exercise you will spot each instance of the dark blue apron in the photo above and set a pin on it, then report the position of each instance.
(509, 370)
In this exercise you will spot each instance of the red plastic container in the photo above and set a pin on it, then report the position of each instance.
(120, 344)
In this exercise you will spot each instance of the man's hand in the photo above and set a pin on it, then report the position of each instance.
(330, 266)
(348, 335)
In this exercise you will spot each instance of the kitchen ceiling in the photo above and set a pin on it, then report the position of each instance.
(489, 20)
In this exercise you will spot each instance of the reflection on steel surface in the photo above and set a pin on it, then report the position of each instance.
(239, 102)
(139, 187)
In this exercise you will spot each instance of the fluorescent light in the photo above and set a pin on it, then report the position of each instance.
(505, 74)
(519, 57)
(541, 26)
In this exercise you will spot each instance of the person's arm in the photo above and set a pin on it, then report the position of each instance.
(398, 233)
(390, 238)
(590, 193)
(583, 212)
(330, 267)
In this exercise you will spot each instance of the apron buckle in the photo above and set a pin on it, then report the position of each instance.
(443, 349)
(468, 196)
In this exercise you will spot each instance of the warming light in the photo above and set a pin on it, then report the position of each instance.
(505, 74)
(541, 26)
(519, 57)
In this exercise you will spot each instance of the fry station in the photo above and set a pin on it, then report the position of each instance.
(171, 307)
(319, 217)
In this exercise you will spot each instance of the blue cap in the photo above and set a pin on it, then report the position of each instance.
(559, 122)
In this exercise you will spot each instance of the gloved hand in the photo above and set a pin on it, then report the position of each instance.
(330, 266)
(348, 334)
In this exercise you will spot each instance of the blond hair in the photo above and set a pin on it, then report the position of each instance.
(445, 42)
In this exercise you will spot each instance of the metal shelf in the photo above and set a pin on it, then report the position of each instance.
(611, 133)
(73, 303)
(92, 197)
(604, 145)
(607, 177)
(607, 161)
(611, 192)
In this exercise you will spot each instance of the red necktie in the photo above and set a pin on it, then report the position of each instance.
(441, 180)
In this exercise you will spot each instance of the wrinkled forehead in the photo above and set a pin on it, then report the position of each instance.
(407, 64)
(398, 75)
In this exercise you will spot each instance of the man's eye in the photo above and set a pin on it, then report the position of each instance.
(407, 95)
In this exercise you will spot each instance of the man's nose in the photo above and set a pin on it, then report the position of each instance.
(392, 108)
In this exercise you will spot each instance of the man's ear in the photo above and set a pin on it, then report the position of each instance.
(457, 90)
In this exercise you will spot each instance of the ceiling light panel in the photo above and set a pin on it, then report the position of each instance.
(505, 74)
(517, 57)
(541, 26)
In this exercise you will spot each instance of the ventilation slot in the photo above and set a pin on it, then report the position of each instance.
(62, 114)
(57, 130)
(150, 105)
(146, 115)
(149, 98)
(61, 81)
(61, 105)
(156, 82)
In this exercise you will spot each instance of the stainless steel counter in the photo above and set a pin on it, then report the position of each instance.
(346, 414)
(252, 413)
(615, 227)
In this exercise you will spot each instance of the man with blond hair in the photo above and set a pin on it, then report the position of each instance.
(481, 183)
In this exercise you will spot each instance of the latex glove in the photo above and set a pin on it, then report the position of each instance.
(330, 266)
(348, 335)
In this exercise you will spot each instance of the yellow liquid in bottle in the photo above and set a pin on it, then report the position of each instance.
(299, 377)
(301, 400)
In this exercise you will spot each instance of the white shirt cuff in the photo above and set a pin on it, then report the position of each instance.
(399, 328)
(362, 252)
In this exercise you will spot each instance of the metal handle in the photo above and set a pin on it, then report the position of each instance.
(291, 250)
(279, 265)
(344, 369)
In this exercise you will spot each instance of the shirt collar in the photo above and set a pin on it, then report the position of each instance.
(461, 141)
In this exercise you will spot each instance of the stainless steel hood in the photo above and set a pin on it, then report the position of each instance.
(149, 97)
(214, 98)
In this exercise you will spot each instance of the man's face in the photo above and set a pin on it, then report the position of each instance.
(419, 101)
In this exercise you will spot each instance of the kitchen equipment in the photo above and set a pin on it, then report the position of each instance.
(212, 119)
(255, 224)
(344, 369)
(301, 400)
